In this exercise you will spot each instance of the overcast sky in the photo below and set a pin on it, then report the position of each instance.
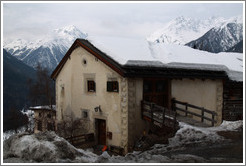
(32, 20)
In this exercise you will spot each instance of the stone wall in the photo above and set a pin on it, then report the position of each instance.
(124, 114)
(136, 125)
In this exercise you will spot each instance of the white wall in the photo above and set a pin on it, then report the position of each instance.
(73, 77)
(203, 93)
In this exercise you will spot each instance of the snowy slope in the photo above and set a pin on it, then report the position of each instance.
(220, 38)
(47, 51)
(183, 30)
(125, 50)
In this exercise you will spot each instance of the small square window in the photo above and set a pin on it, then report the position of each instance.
(49, 116)
(147, 86)
(40, 127)
(91, 86)
(84, 113)
(112, 86)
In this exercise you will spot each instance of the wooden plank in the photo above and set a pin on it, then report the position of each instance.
(192, 113)
(147, 118)
(195, 114)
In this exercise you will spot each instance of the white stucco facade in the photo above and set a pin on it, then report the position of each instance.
(72, 94)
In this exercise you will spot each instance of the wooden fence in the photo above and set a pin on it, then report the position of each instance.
(81, 140)
(203, 112)
(158, 115)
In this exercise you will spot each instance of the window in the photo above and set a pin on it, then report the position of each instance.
(40, 125)
(147, 86)
(112, 86)
(50, 127)
(161, 86)
(49, 116)
(84, 113)
(84, 62)
(91, 86)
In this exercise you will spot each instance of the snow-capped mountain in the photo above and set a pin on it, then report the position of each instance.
(220, 38)
(237, 48)
(47, 51)
(183, 30)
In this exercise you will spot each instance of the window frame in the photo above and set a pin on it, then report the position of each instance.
(85, 113)
(112, 86)
(91, 86)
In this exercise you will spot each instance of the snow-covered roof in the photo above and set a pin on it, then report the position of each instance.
(140, 52)
(43, 107)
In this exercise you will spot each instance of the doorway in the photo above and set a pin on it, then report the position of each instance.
(157, 91)
(101, 131)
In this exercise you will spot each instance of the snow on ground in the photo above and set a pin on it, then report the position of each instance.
(44, 147)
(188, 134)
(48, 147)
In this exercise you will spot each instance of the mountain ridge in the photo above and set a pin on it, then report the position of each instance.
(219, 39)
(47, 51)
(184, 29)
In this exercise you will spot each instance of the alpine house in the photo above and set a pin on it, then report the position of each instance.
(110, 82)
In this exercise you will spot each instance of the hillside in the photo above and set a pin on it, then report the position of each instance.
(15, 88)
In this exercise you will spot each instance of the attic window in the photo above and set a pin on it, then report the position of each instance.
(91, 86)
(84, 61)
(112, 86)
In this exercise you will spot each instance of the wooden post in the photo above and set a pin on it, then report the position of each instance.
(173, 105)
(174, 120)
(142, 107)
(212, 119)
(186, 109)
(163, 116)
(151, 111)
(202, 114)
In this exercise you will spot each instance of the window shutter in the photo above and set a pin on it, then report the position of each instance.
(88, 86)
(109, 86)
(94, 85)
(115, 86)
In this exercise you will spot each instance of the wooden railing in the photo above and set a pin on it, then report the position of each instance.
(80, 140)
(158, 115)
(203, 112)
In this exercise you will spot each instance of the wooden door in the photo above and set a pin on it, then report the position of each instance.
(101, 132)
(156, 91)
